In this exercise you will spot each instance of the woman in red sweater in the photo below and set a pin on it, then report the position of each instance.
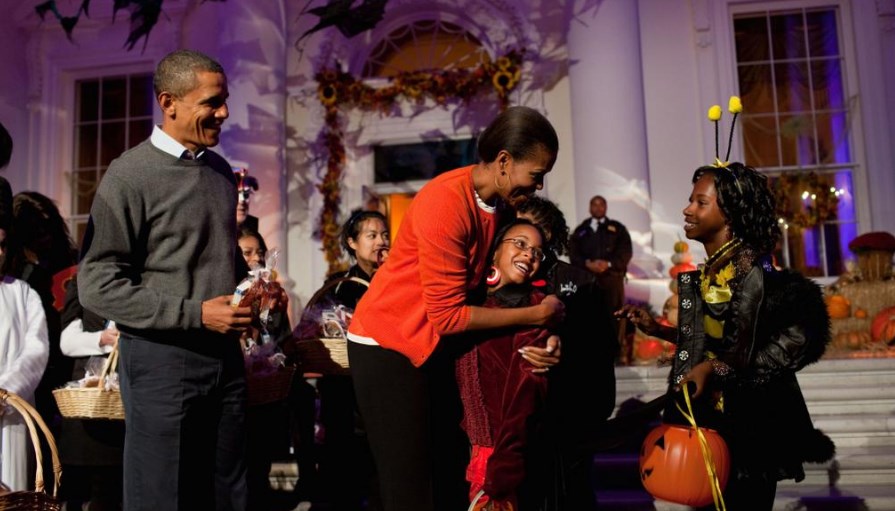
(403, 373)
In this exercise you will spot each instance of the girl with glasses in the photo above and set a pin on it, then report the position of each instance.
(502, 397)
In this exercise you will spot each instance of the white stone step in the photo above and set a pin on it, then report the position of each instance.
(863, 439)
(855, 423)
(879, 497)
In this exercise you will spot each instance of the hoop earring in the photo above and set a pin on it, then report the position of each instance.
(497, 180)
(494, 277)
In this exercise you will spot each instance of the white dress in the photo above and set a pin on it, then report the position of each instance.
(24, 350)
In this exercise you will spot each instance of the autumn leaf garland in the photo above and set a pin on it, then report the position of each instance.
(337, 90)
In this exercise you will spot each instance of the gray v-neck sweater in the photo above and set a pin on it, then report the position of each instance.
(161, 240)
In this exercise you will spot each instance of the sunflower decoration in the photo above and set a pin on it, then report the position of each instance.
(507, 74)
(327, 94)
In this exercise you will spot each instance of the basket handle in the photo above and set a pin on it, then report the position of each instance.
(111, 362)
(331, 284)
(31, 417)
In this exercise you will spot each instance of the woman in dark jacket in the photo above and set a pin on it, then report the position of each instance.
(745, 329)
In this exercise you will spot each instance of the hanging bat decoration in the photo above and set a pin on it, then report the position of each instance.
(349, 20)
(144, 14)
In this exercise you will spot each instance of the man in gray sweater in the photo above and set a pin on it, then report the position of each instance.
(160, 259)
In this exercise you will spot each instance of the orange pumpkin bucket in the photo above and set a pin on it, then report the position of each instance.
(685, 464)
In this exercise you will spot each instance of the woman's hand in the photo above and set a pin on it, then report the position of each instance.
(639, 317)
(699, 375)
(543, 358)
(553, 309)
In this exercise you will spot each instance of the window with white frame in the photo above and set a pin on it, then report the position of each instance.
(792, 73)
(112, 114)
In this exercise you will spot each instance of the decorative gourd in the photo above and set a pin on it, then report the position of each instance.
(672, 466)
(838, 306)
(883, 327)
(860, 313)
(854, 340)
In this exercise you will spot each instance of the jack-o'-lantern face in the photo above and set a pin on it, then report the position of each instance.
(672, 466)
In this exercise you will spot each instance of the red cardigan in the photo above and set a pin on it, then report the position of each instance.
(439, 255)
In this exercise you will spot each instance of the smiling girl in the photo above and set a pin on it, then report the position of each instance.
(745, 328)
(501, 394)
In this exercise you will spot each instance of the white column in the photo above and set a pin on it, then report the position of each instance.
(609, 123)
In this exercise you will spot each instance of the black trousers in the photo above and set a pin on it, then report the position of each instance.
(184, 406)
(612, 285)
(412, 418)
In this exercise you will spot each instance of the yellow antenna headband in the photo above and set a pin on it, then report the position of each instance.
(734, 106)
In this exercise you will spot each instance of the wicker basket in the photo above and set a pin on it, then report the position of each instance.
(325, 355)
(37, 500)
(875, 265)
(269, 388)
(93, 402)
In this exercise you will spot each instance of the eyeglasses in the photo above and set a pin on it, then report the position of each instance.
(522, 245)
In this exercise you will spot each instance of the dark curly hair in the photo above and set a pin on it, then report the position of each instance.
(746, 203)
(547, 216)
(351, 227)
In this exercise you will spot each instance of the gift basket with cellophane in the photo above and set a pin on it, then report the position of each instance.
(268, 376)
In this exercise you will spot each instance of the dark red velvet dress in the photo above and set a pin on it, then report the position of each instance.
(502, 399)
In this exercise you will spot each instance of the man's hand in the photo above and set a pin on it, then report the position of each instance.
(219, 316)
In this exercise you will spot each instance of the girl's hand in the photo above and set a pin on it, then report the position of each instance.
(543, 358)
(699, 375)
(639, 317)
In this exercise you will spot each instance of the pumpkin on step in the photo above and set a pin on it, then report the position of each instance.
(838, 306)
(852, 340)
(672, 466)
(883, 326)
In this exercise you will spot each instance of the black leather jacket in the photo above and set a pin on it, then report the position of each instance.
(777, 324)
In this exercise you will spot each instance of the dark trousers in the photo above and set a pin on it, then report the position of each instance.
(612, 284)
(184, 407)
(346, 465)
(412, 417)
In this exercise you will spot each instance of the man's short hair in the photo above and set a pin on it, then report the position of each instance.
(176, 73)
